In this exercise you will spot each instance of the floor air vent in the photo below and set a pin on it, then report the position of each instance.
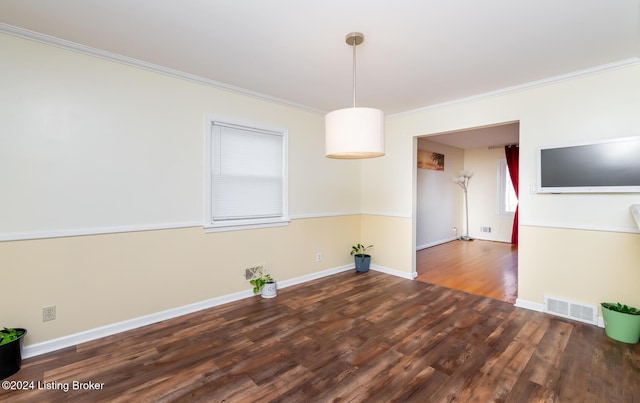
(571, 310)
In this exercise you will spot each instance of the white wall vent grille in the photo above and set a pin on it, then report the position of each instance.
(571, 310)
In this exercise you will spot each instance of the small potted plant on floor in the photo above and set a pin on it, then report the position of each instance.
(362, 259)
(621, 322)
(264, 284)
(10, 351)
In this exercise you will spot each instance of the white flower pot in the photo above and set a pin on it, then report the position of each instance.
(269, 290)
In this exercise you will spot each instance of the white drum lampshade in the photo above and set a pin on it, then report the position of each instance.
(354, 133)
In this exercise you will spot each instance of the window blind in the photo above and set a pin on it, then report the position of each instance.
(247, 173)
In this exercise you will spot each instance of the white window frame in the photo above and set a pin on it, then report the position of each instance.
(502, 188)
(240, 223)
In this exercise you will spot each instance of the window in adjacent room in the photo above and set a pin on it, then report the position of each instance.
(507, 200)
(246, 176)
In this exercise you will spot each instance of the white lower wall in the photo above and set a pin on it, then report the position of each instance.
(100, 280)
(133, 323)
(579, 265)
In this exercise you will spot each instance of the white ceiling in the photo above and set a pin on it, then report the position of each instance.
(416, 53)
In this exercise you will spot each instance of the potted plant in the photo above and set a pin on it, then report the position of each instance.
(362, 259)
(10, 351)
(621, 322)
(264, 284)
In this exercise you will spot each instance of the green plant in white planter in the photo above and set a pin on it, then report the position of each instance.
(264, 284)
(10, 351)
(362, 259)
(621, 322)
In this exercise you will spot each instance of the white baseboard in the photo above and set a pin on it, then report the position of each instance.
(108, 330)
(33, 350)
(393, 272)
(533, 306)
(440, 242)
(538, 307)
(314, 276)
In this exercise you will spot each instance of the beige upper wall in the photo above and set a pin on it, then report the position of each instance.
(93, 144)
(597, 106)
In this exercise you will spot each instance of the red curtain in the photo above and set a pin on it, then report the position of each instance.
(513, 162)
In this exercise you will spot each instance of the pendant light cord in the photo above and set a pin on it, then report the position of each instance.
(354, 72)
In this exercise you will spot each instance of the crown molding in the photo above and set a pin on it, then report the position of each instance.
(87, 50)
(532, 84)
(130, 61)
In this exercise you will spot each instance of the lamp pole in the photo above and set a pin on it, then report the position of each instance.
(466, 216)
(463, 182)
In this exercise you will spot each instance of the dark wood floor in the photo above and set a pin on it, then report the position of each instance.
(351, 338)
(485, 268)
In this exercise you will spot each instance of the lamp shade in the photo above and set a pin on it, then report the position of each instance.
(352, 133)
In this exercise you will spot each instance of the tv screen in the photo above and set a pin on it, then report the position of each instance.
(605, 166)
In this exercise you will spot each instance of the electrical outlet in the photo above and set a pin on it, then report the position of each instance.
(48, 313)
(318, 256)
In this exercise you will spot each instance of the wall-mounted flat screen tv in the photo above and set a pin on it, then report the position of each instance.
(607, 166)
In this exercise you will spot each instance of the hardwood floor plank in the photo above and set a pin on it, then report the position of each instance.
(607, 356)
(353, 385)
(230, 388)
(545, 364)
(359, 338)
(422, 388)
(630, 371)
(485, 268)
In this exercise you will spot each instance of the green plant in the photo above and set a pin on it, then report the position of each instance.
(259, 281)
(8, 335)
(360, 250)
(618, 307)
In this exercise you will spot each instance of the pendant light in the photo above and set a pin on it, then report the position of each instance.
(353, 133)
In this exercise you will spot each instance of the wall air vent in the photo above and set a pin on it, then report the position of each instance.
(571, 310)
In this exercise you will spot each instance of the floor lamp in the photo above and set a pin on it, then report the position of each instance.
(463, 182)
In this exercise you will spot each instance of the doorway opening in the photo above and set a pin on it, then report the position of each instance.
(487, 263)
